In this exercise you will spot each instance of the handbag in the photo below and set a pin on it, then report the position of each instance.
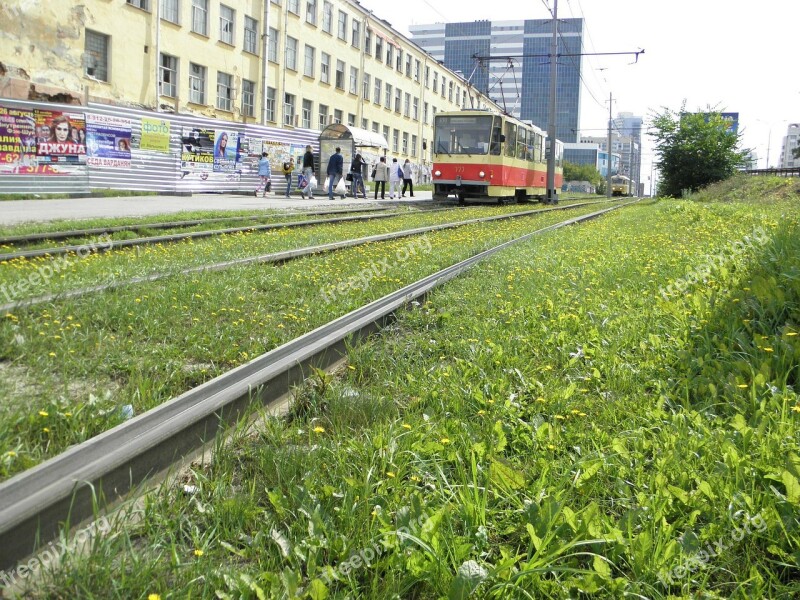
(374, 172)
(349, 177)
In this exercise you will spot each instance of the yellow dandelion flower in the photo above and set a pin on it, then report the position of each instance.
(154, 597)
(390, 474)
(791, 333)
(406, 426)
(46, 429)
(198, 552)
(796, 408)
(351, 367)
(415, 478)
(51, 354)
(12, 454)
(44, 413)
(445, 440)
(481, 412)
(319, 429)
(743, 385)
(560, 417)
(551, 447)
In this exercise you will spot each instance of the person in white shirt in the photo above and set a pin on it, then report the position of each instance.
(395, 177)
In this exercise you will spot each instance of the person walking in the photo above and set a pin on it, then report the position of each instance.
(308, 173)
(334, 170)
(395, 177)
(357, 175)
(264, 174)
(380, 177)
(407, 179)
(288, 169)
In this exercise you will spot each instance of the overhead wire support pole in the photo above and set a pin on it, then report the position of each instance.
(552, 193)
(608, 168)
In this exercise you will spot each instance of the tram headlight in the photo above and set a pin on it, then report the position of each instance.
(481, 174)
(438, 173)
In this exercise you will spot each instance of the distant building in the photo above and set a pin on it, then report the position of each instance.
(515, 72)
(790, 143)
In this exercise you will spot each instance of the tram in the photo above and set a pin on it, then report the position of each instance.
(620, 185)
(482, 156)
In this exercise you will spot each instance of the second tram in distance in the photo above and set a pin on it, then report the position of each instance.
(482, 156)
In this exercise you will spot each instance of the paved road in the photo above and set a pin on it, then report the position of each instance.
(21, 211)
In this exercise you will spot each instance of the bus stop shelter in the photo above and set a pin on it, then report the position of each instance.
(351, 140)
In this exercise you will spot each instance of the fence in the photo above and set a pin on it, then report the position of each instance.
(171, 169)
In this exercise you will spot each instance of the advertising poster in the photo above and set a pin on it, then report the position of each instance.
(155, 135)
(226, 150)
(108, 141)
(197, 151)
(60, 137)
(17, 141)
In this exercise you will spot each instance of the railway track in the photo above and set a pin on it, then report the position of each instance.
(278, 257)
(98, 473)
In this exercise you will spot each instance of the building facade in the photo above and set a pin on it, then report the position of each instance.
(288, 65)
(791, 142)
(509, 62)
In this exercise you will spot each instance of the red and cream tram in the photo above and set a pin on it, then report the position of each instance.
(482, 156)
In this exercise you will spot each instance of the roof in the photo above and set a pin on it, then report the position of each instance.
(360, 137)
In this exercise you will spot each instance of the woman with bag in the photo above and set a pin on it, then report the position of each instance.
(395, 177)
(380, 176)
(264, 174)
(407, 181)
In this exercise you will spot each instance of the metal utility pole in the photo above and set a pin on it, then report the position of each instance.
(608, 151)
(552, 192)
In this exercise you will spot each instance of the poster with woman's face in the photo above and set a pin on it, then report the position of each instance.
(108, 141)
(61, 136)
(226, 150)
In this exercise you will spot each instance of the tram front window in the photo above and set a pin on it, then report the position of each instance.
(462, 134)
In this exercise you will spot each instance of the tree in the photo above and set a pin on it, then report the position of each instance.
(694, 150)
(573, 172)
(796, 152)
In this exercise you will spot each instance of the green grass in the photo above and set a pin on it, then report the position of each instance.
(552, 424)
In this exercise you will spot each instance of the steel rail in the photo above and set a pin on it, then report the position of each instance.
(276, 257)
(96, 474)
(77, 233)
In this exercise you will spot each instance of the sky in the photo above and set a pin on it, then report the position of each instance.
(732, 55)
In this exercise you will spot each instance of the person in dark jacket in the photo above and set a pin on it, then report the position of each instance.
(308, 172)
(335, 169)
(357, 175)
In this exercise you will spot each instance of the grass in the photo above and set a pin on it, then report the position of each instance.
(558, 422)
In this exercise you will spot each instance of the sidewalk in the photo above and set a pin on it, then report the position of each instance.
(20, 211)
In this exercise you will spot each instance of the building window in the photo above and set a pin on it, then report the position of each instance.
(396, 141)
(389, 55)
(224, 91)
(458, 96)
(427, 77)
(365, 87)
(248, 98)
(227, 19)
(443, 86)
(291, 53)
(407, 106)
(288, 109)
(413, 145)
(364, 123)
(270, 108)
(376, 95)
(293, 6)
(399, 64)
(169, 10)
(323, 116)
(355, 39)
(272, 45)
(368, 42)
(143, 4)
(327, 16)
(398, 100)
(168, 76)
(416, 70)
(200, 16)
(450, 91)
(197, 84)
(353, 80)
(340, 74)
(325, 68)
(96, 46)
(342, 25)
(337, 116)
(405, 143)
(386, 133)
(388, 96)
(408, 65)
(306, 114)
(351, 120)
(378, 48)
(250, 35)
(425, 113)
(376, 127)
(311, 12)
(435, 82)
(310, 57)
(415, 109)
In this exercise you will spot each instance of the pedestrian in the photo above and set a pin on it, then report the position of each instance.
(288, 168)
(357, 175)
(395, 177)
(407, 179)
(308, 172)
(264, 174)
(380, 175)
(334, 170)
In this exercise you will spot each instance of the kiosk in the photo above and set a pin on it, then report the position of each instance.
(351, 140)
